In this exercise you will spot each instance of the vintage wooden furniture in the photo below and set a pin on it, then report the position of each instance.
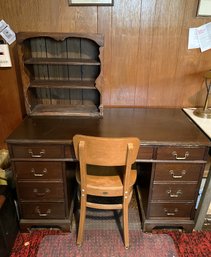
(106, 171)
(45, 189)
(171, 160)
(61, 73)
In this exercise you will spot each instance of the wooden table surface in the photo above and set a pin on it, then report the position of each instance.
(151, 126)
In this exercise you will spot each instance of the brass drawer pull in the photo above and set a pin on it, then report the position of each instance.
(170, 213)
(183, 172)
(174, 153)
(37, 210)
(39, 174)
(207, 221)
(42, 152)
(35, 190)
(176, 195)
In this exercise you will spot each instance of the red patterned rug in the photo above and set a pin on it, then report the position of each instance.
(195, 244)
(54, 243)
(103, 238)
(96, 243)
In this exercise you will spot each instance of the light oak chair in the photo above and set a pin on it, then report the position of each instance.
(105, 171)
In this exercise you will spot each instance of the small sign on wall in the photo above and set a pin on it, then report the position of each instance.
(5, 60)
(204, 8)
(7, 33)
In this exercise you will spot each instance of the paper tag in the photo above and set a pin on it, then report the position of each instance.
(3, 25)
(6, 32)
(8, 35)
(5, 60)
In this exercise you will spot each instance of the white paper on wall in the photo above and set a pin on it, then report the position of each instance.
(193, 41)
(7, 33)
(5, 60)
(3, 25)
(200, 37)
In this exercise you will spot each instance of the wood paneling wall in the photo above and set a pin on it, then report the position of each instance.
(146, 60)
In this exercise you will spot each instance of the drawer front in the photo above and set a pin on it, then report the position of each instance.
(38, 170)
(178, 172)
(42, 191)
(145, 153)
(69, 152)
(180, 153)
(37, 151)
(43, 210)
(174, 191)
(171, 210)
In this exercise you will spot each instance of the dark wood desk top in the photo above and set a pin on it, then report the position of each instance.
(151, 126)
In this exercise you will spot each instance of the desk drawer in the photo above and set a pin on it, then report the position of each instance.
(171, 210)
(43, 210)
(178, 172)
(42, 191)
(38, 170)
(145, 153)
(174, 192)
(181, 153)
(37, 151)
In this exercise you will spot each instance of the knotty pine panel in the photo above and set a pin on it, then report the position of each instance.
(105, 27)
(125, 35)
(146, 60)
(167, 24)
(144, 52)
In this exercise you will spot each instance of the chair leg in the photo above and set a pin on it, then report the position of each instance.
(82, 220)
(125, 223)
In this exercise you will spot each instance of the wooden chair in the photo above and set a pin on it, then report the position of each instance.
(105, 171)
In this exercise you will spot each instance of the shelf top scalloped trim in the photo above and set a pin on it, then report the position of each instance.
(98, 38)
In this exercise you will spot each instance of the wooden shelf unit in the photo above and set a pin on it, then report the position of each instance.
(61, 73)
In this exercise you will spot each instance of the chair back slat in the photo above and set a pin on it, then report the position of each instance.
(106, 151)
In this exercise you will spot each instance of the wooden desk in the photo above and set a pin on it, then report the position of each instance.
(171, 161)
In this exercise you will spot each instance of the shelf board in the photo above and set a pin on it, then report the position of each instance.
(80, 84)
(65, 110)
(63, 61)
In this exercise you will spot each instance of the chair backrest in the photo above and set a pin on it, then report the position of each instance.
(104, 151)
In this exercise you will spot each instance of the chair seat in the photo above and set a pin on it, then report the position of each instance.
(106, 181)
